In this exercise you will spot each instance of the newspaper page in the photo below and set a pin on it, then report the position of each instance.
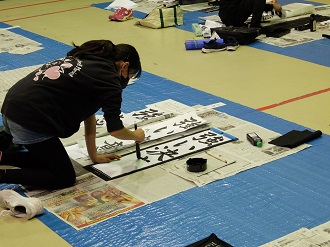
(323, 229)
(17, 44)
(290, 239)
(90, 201)
(234, 157)
(317, 236)
(299, 37)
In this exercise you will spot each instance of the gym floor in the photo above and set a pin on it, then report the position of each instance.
(288, 86)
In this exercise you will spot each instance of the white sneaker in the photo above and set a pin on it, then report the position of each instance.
(20, 206)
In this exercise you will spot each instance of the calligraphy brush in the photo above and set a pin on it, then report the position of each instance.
(137, 146)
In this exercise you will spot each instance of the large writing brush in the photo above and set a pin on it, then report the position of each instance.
(137, 146)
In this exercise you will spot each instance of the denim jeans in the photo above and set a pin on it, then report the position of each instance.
(22, 135)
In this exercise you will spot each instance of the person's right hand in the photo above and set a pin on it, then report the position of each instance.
(277, 7)
(139, 134)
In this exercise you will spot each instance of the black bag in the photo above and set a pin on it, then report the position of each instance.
(243, 35)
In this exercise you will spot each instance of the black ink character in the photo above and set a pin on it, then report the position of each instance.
(147, 114)
(168, 152)
(108, 146)
(163, 128)
(180, 143)
(186, 124)
(209, 138)
(160, 129)
(100, 122)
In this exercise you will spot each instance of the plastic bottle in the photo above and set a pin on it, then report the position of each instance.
(254, 139)
(312, 23)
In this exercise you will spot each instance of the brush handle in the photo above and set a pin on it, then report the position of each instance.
(137, 146)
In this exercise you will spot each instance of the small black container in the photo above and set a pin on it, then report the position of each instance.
(254, 139)
(196, 164)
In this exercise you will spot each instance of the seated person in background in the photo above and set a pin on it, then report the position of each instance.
(236, 12)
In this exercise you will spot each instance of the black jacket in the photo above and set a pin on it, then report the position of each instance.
(57, 97)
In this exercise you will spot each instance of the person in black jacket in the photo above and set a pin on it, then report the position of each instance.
(51, 102)
(236, 12)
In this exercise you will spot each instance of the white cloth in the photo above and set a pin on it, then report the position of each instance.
(122, 3)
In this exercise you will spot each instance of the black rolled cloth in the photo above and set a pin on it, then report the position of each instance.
(295, 138)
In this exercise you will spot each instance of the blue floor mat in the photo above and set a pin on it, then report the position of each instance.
(52, 50)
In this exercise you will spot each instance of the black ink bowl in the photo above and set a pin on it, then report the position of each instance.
(196, 164)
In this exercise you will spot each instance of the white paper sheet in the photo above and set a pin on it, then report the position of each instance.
(154, 131)
(161, 153)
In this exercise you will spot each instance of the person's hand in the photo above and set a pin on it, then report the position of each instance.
(276, 6)
(272, 2)
(139, 134)
(106, 158)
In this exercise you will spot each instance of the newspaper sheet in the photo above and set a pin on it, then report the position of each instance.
(299, 37)
(17, 44)
(234, 157)
(89, 202)
(317, 236)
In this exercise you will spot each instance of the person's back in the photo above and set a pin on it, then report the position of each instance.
(57, 97)
(52, 101)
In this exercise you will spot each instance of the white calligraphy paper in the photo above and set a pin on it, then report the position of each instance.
(156, 131)
(140, 117)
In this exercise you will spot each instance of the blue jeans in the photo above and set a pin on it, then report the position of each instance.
(22, 135)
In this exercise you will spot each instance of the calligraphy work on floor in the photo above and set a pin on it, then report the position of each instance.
(160, 154)
(175, 125)
(140, 117)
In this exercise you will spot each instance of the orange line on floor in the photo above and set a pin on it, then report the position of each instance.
(29, 5)
(51, 13)
(294, 99)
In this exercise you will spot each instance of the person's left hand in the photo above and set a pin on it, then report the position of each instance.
(106, 158)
